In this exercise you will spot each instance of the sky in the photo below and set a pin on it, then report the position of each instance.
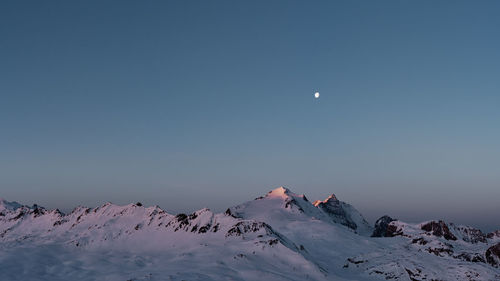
(192, 104)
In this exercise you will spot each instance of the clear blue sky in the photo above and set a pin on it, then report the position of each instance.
(191, 104)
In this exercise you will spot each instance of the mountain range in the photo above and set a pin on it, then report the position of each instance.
(278, 236)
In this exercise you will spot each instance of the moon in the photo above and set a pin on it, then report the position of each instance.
(316, 95)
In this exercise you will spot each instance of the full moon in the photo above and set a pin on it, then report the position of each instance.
(316, 95)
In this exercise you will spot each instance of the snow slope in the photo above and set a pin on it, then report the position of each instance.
(279, 236)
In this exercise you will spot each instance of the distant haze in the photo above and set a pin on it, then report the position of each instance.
(191, 104)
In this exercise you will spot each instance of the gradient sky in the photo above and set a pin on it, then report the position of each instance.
(191, 104)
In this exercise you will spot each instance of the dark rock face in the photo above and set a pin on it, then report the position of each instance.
(419, 241)
(37, 211)
(183, 221)
(474, 236)
(231, 214)
(204, 229)
(439, 229)
(333, 207)
(414, 275)
(20, 215)
(248, 227)
(442, 250)
(188, 223)
(381, 226)
(292, 202)
(493, 255)
(393, 230)
(471, 257)
(181, 217)
(470, 234)
(493, 234)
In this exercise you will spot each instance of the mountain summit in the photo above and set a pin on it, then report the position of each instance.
(331, 197)
(8, 206)
(281, 192)
(345, 214)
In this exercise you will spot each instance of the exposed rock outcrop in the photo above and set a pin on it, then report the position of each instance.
(381, 226)
(344, 213)
(493, 255)
(439, 229)
(493, 235)
(469, 234)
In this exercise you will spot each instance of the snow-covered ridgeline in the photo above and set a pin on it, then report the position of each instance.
(279, 236)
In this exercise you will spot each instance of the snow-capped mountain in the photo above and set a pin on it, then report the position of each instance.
(6, 206)
(345, 214)
(279, 236)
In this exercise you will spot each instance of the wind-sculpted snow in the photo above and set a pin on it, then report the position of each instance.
(280, 236)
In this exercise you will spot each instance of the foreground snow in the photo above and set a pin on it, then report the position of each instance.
(280, 236)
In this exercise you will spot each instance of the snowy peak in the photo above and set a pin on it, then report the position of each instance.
(8, 206)
(280, 232)
(332, 197)
(282, 193)
(284, 198)
(281, 204)
(345, 214)
(277, 206)
(285, 194)
(468, 234)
